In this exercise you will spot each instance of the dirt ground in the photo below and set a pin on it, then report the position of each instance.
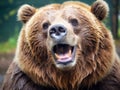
(6, 59)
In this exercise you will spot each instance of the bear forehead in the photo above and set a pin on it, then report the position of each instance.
(68, 8)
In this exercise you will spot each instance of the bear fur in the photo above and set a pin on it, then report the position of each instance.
(64, 47)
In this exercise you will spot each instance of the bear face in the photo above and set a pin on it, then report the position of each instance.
(62, 45)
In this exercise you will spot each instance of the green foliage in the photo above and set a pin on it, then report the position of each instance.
(107, 22)
(10, 45)
(10, 1)
(119, 33)
(12, 12)
(118, 28)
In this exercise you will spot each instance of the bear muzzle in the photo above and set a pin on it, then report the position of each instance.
(62, 45)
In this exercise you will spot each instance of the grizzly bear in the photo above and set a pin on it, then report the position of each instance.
(64, 47)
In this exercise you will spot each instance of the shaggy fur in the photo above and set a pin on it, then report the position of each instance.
(96, 65)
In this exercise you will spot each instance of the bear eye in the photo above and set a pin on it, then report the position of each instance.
(46, 25)
(74, 22)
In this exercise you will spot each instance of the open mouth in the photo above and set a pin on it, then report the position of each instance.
(64, 53)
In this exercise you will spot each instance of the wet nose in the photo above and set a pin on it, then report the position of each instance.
(57, 32)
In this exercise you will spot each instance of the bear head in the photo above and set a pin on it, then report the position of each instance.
(65, 44)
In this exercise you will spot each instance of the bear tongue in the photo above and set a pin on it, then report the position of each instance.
(64, 57)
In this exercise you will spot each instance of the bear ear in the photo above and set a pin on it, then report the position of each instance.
(100, 9)
(25, 13)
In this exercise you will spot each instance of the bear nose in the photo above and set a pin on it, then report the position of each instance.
(57, 32)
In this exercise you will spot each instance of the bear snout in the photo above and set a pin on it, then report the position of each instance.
(58, 32)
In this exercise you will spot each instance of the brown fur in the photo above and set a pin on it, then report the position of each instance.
(95, 55)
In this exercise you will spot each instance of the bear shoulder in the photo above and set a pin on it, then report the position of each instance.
(15, 79)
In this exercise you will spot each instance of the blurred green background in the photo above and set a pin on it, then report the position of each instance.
(10, 27)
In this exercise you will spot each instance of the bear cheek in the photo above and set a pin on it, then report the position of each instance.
(36, 41)
(49, 43)
(89, 46)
